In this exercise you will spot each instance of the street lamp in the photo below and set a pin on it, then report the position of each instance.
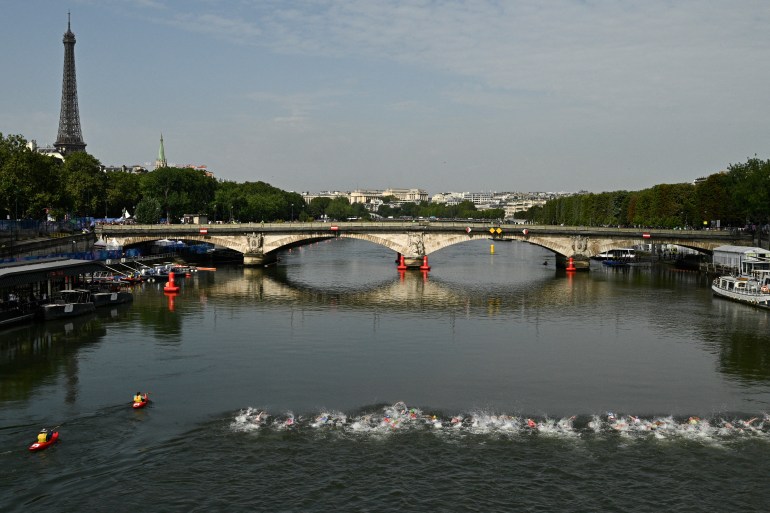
(292, 212)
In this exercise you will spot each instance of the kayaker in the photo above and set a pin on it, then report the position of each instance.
(138, 397)
(43, 436)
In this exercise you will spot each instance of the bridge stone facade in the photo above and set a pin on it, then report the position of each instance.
(260, 242)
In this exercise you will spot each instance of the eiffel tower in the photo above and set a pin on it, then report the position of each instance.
(70, 139)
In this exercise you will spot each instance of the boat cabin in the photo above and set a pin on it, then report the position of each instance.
(617, 254)
(741, 260)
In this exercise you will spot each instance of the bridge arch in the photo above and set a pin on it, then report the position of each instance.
(258, 242)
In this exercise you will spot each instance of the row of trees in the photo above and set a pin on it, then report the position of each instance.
(737, 197)
(33, 186)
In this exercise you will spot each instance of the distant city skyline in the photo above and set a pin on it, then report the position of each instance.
(443, 96)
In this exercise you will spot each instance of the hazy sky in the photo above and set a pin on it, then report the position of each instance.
(457, 95)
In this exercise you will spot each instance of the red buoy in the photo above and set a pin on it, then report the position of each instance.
(401, 264)
(571, 265)
(425, 266)
(171, 286)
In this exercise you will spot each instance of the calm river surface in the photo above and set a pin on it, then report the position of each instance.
(331, 383)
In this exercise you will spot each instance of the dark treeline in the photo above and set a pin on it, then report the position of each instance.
(34, 186)
(737, 197)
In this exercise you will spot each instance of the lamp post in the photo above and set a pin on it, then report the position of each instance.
(232, 220)
(292, 212)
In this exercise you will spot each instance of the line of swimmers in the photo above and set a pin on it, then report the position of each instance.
(399, 414)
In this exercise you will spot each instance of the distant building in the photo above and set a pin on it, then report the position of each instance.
(409, 195)
(308, 196)
(365, 196)
(519, 206)
(49, 151)
(135, 169)
(478, 198)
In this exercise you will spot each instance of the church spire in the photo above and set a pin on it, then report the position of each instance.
(161, 162)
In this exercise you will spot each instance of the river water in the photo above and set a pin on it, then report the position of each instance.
(332, 383)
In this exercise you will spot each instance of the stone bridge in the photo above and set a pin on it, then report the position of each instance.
(260, 242)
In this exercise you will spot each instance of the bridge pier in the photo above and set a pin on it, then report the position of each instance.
(258, 259)
(412, 262)
(580, 262)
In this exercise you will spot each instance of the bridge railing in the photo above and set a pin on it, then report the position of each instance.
(476, 228)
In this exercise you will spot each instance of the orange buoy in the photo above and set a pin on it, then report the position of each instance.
(401, 264)
(171, 286)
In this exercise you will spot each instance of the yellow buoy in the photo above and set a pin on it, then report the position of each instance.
(491, 249)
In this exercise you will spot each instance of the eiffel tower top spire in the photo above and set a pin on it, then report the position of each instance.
(70, 138)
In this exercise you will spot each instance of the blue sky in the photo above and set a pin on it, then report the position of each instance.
(478, 95)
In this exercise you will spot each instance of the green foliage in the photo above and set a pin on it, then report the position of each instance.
(84, 184)
(734, 198)
(28, 180)
(32, 184)
(123, 191)
(179, 191)
(750, 191)
(255, 202)
(148, 211)
(339, 209)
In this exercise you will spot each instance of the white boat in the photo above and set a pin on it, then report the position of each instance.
(753, 289)
(620, 254)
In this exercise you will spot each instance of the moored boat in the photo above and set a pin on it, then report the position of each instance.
(68, 303)
(111, 297)
(15, 314)
(753, 289)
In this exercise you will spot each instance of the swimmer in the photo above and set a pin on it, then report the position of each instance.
(260, 417)
(748, 423)
(531, 424)
(566, 423)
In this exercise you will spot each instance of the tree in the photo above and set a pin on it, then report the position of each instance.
(317, 207)
(713, 200)
(751, 189)
(123, 191)
(339, 208)
(148, 211)
(179, 190)
(84, 184)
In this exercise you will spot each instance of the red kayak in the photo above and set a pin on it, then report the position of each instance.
(142, 404)
(39, 446)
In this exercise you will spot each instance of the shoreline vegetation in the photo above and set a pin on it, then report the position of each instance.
(34, 186)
